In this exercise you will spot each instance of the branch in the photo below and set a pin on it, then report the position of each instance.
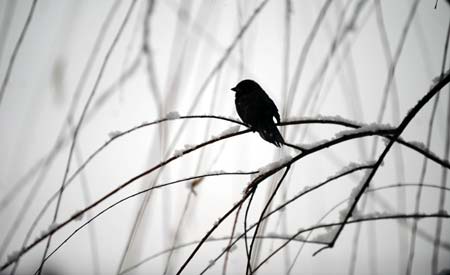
(359, 220)
(215, 239)
(79, 214)
(100, 149)
(349, 136)
(302, 193)
(288, 238)
(247, 251)
(321, 120)
(249, 269)
(283, 205)
(351, 124)
(411, 114)
(12, 59)
(426, 237)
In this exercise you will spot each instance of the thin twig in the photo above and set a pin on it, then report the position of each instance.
(12, 59)
(412, 243)
(343, 138)
(303, 56)
(292, 122)
(247, 249)
(442, 195)
(409, 117)
(263, 212)
(80, 213)
(359, 220)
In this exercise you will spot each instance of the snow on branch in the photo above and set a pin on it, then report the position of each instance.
(114, 134)
(271, 166)
(172, 115)
(186, 147)
(351, 166)
(437, 79)
(372, 127)
(425, 151)
(351, 200)
(326, 236)
(326, 118)
(228, 131)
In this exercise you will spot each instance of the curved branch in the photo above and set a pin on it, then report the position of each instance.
(409, 117)
(57, 227)
(80, 213)
(12, 59)
(269, 201)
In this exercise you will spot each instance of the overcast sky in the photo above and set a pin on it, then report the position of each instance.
(344, 74)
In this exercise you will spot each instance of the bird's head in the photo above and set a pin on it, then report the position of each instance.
(246, 85)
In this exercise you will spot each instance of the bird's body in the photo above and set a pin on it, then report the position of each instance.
(256, 109)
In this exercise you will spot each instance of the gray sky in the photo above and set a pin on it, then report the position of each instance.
(187, 40)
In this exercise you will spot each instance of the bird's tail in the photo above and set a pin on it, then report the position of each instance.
(271, 134)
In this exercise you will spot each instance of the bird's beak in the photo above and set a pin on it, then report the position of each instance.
(234, 89)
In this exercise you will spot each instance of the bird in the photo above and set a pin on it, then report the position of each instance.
(256, 109)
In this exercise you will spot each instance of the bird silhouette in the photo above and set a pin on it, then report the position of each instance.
(257, 110)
